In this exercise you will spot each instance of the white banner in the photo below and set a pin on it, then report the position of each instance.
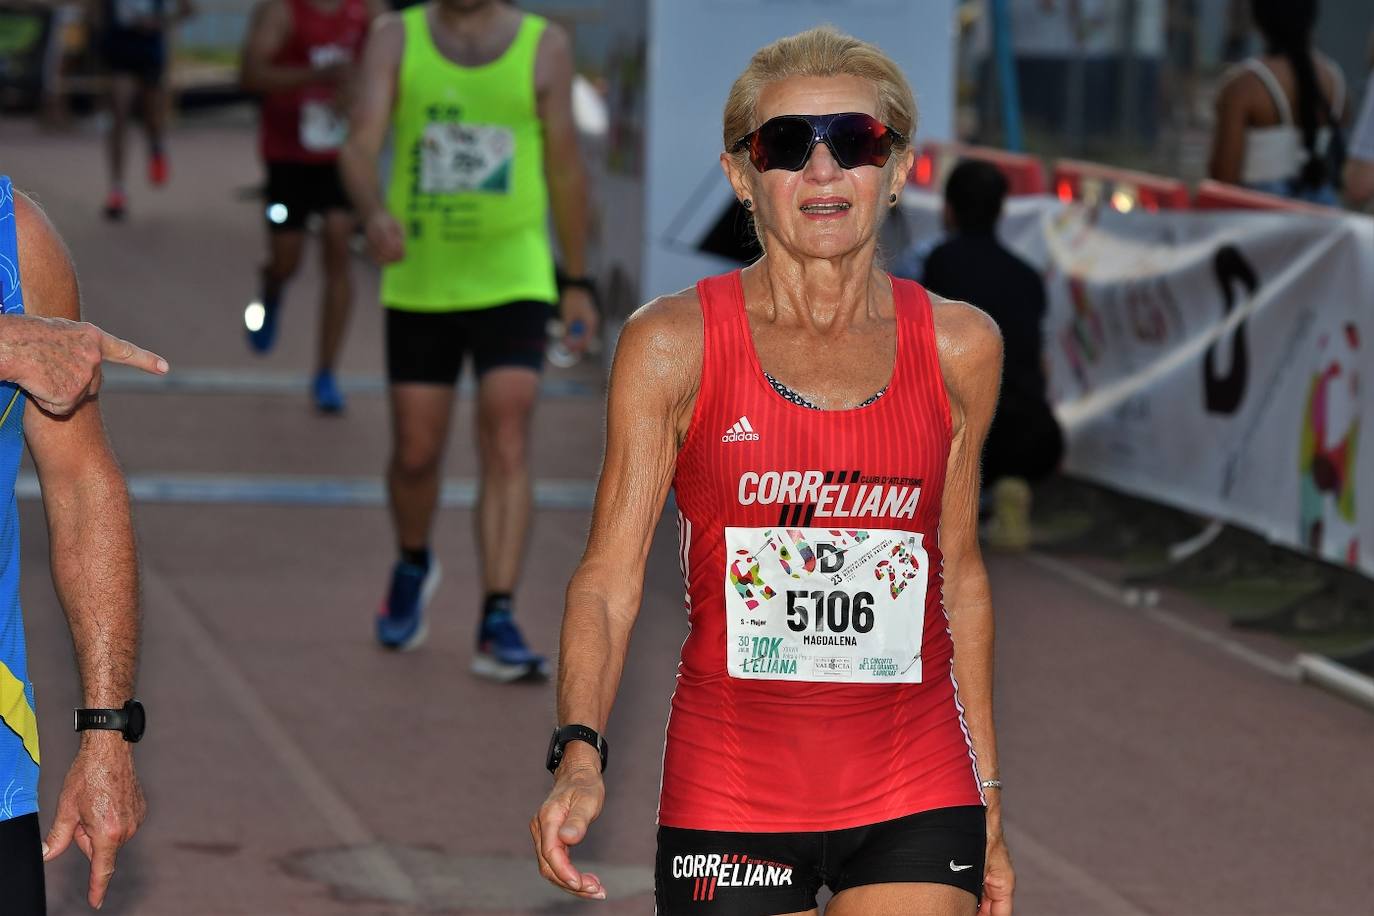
(1211, 361)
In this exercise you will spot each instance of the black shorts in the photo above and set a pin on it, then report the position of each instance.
(753, 874)
(139, 54)
(297, 189)
(21, 867)
(430, 347)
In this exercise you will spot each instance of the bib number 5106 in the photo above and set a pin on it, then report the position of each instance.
(832, 611)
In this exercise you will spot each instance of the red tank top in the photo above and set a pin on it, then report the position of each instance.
(816, 688)
(301, 125)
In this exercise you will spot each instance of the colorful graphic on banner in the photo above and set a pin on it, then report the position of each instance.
(1210, 361)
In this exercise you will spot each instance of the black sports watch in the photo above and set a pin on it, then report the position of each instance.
(561, 737)
(128, 720)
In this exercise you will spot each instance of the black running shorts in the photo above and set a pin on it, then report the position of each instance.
(430, 347)
(136, 53)
(297, 189)
(21, 867)
(717, 873)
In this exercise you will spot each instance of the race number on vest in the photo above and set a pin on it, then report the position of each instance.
(818, 604)
(466, 157)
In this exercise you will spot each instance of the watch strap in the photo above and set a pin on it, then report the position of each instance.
(104, 719)
(567, 733)
(587, 283)
(129, 720)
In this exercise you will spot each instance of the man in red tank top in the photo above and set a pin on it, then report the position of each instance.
(820, 423)
(300, 56)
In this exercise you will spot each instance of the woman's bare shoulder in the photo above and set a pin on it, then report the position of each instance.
(662, 340)
(965, 334)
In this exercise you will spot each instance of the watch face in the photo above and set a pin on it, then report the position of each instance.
(133, 731)
(555, 753)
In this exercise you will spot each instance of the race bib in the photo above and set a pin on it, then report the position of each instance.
(821, 604)
(322, 128)
(466, 157)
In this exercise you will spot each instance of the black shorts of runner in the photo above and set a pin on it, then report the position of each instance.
(139, 54)
(21, 867)
(430, 347)
(297, 189)
(717, 873)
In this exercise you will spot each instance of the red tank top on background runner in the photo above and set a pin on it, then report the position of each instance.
(302, 125)
(816, 687)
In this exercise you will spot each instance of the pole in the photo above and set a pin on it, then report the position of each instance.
(1006, 74)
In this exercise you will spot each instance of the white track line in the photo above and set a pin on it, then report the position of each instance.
(1144, 601)
(257, 381)
(348, 827)
(1104, 901)
(302, 490)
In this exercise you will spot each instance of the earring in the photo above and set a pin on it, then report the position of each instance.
(748, 204)
(892, 198)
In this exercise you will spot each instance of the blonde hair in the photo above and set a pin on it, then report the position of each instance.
(823, 51)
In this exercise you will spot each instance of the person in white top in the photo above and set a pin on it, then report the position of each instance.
(1359, 168)
(1279, 114)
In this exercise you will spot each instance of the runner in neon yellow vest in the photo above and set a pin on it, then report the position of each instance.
(467, 183)
(477, 97)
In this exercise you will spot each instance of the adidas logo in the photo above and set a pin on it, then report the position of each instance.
(740, 432)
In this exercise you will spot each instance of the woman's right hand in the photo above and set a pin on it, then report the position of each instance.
(385, 240)
(574, 802)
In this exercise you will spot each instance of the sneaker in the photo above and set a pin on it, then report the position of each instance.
(114, 206)
(260, 320)
(157, 169)
(328, 398)
(502, 654)
(1010, 528)
(401, 623)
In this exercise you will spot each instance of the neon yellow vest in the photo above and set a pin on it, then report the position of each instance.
(467, 178)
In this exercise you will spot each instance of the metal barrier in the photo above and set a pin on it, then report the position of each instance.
(1218, 195)
(1122, 189)
(1024, 173)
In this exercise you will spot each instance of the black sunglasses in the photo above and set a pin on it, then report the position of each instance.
(786, 142)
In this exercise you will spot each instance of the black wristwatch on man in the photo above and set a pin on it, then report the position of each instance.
(129, 720)
(561, 737)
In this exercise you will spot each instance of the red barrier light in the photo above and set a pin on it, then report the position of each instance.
(925, 169)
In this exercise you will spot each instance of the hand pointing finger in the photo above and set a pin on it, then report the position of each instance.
(117, 350)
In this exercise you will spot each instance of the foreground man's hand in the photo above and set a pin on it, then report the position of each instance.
(58, 361)
(101, 807)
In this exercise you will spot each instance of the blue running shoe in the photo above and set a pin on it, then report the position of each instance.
(328, 397)
(502, 654)
(401, 624)
(260, 320)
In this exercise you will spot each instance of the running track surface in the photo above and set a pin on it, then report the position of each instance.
(292, 767)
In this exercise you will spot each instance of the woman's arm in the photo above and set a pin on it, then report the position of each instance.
(971, 360)
(653, 387)
(1359, 168)
(1228, 138)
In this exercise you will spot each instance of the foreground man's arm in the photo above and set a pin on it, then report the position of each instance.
(653, 384)
(57, 361)
(94, 570)
(971, 360)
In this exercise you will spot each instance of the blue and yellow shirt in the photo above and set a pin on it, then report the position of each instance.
(19, 734)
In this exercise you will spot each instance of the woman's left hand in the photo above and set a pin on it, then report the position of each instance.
(998, 878)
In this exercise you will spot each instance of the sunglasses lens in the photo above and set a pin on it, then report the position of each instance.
(858, 139)
(781, 143)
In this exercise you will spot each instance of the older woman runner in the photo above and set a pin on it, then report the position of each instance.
(821, 424)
